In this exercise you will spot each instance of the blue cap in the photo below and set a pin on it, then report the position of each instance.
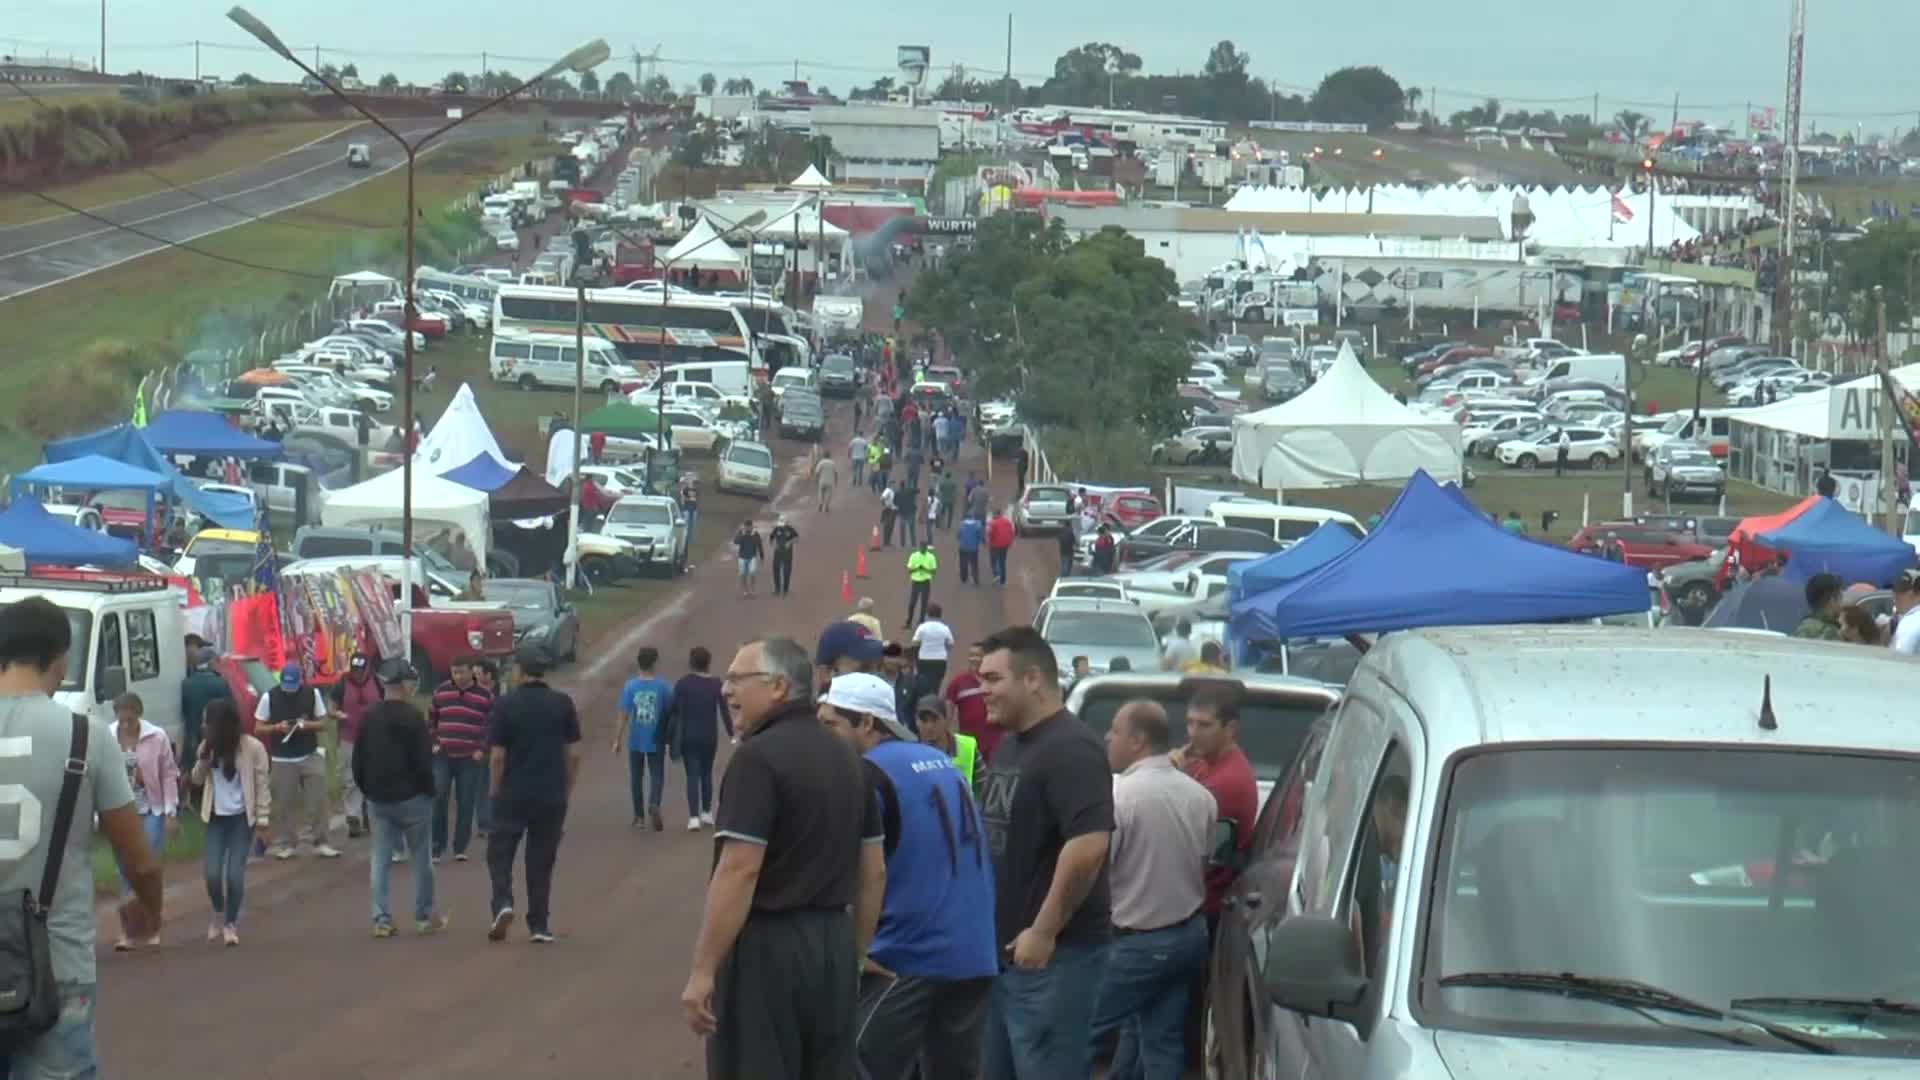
(849, 640)
(290, 677)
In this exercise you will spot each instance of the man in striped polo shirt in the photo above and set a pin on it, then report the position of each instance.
(459, 717)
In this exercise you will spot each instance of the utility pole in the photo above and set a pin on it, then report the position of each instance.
(1596, 109)
(579, 379)
(483, 69)
(316, 58)
(1889, 404)
(196, 61)
(1676, 111)
(103, 37)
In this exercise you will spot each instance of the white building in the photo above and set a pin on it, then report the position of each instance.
(880, 144)
(1783, 446)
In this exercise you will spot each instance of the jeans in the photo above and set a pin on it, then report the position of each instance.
(64, 1053)
(1145, 994)
(353, 804)
(917, 593)
(457, 785)
(859, 466)
(997, 558)
(909, 530)
(970, 566)
(1039, 1023)
(155, 827)
(692, 514)
(639, 763)
(228, 841)
(541, 824)
(299, 790)
(698, 760)
(1066, 564)
(782, 571)
(412, 818)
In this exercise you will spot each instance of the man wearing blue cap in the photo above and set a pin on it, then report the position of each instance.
(844, 647)
(292, 715)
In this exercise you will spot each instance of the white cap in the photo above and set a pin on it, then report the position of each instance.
(869, 695)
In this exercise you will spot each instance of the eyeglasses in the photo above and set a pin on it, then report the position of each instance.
(736, 678)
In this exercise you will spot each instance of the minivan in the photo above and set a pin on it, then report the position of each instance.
(733, 377)
(535, 360)
(1286, 524)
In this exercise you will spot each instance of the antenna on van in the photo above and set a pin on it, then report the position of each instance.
(1767, 721)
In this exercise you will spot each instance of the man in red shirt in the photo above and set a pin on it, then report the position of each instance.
(968, 701)
(999, 542)
(1213, 757)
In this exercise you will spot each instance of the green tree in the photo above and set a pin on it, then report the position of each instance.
(456, 82)
(350, 71)
(246, 78)
(881, 87)
(708, 82)
(620, 85)
(389, 81)
(1631, 122)
(1359, 95)
(589, 83)
(658, 88)
(737, 87)
(1886, 256)
(692, 150)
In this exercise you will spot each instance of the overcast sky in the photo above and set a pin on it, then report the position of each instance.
(1716, 54)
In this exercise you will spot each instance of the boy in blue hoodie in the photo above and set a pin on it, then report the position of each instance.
(971, 534)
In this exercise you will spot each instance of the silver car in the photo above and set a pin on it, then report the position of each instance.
(1043, 508)
(654, 526)
(1681, 469)
(1100, 630)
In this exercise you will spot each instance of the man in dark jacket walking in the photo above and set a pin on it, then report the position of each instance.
(393, 768)
(535, 758)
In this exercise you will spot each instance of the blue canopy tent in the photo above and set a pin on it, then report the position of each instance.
(1763, 603)
(1436, 560)
(204, 434)
(43, 538)
(126, 443)
(1304, 556)
(483, 473)
(1827, 538)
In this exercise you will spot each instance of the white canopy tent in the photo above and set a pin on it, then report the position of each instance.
(440, 504)
(1343, 430)
(460, 435)
(704, 249)
(811, 180)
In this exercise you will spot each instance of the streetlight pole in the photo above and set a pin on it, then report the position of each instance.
(584, 58)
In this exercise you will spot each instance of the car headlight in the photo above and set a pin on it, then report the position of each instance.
(536, 632)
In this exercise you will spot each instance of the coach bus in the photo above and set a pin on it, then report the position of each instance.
(642, 325)
(468, 287)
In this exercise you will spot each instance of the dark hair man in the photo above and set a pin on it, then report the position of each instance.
(1824, 593)
(534, 759)
(1047, 801)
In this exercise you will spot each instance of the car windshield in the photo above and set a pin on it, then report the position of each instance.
(1270, 731)
(750, 455)
(1668, 866)
(1118, 630)
(1239, 341)
(839, 365)
(640, 513)
(519, 595)
(1704, 460)
(206, 545)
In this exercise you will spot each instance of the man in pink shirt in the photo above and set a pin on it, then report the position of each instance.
(968, 703)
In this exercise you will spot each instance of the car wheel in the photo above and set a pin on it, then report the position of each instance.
(597, 568)
(423, 667)
(609, 386)
(1695, 596)
(1599, 461)
(1192, 458)
(527, 382)
(573, 647)
(1528, 461)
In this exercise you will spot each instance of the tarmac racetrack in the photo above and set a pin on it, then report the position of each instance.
(45, 253)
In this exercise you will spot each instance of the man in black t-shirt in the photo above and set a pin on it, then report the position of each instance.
(798, 838)
(1046, 801)
(534, 741)
(783, 536)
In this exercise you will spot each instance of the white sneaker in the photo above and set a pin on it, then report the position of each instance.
(326, 851)
(284, 851)
(706, 819)
(693, 824)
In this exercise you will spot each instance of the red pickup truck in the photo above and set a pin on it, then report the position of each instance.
(444, 629)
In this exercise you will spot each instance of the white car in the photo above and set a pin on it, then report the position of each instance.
(1190, 445)
(506, 240)
(616, 481)
(1089, 589)
(1587, 446)
(476, 313)
(1207, 376)
(1153, 590)
(1484, 437)
(747, 467)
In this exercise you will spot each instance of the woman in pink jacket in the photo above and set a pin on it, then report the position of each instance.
(155, 778)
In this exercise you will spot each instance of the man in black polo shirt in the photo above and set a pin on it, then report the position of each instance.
(1047, 803)
(534, 741)
(798, 841)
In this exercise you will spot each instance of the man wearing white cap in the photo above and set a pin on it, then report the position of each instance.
(927, 975)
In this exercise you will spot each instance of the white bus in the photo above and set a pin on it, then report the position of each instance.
(651, 326)
(472, 289)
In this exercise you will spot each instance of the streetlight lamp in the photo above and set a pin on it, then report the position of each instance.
(584, 58)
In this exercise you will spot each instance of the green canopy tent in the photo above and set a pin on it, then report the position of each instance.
(621, 420)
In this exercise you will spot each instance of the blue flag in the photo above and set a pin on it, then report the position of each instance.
(266, 564)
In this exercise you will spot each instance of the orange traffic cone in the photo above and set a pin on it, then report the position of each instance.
(846, 588)
(873, 543)
(859, 561)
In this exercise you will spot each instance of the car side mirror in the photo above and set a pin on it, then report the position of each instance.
(110, 683)
(1314, 968)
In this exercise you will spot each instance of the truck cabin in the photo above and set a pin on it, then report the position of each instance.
(127, 637)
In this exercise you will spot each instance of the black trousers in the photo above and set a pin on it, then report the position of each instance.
(886, 527)
(782, 571)
(542, 824)
(935, 1024)
(784, 999)
(932, 673)
(917, 594)
(970, 566)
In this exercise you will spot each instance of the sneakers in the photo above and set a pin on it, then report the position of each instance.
(214, 926)
(326, 851)
(281, 851)
(383, 928)
(430, 926)
(231, 934)
(459, 856)
(706, 818)
(658, 824)
(639, 823)
(693, 824)
(399, 856)
(542, 936)
(502, 919)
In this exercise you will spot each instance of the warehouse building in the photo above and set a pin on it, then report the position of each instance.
(880, 144)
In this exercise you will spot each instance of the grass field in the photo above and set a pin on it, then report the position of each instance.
(244, 146)
(144, 313)
(15, 106)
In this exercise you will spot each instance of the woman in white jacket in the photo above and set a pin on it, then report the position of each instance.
(235, 803)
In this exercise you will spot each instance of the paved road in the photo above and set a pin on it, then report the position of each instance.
(310, 994)
(45, 253)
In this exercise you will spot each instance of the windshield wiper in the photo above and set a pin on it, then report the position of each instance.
(1632, 994)
(1863, 1005)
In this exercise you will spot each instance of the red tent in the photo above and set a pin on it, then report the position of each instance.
(1741, 548)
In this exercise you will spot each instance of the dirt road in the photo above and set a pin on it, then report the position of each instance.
(310, 993)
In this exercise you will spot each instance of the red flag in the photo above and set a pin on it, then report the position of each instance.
(1621, 211)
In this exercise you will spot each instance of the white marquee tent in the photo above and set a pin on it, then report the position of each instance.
(703, 249)
(811, 180)
(460, 435)
(437, 503)
(1343, 430)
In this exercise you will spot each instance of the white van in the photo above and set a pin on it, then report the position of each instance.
(732, 377)
(1609, 368)
(127, 630)
(1286, 524)
(788, 378)
(497, 208)
(535, 360)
